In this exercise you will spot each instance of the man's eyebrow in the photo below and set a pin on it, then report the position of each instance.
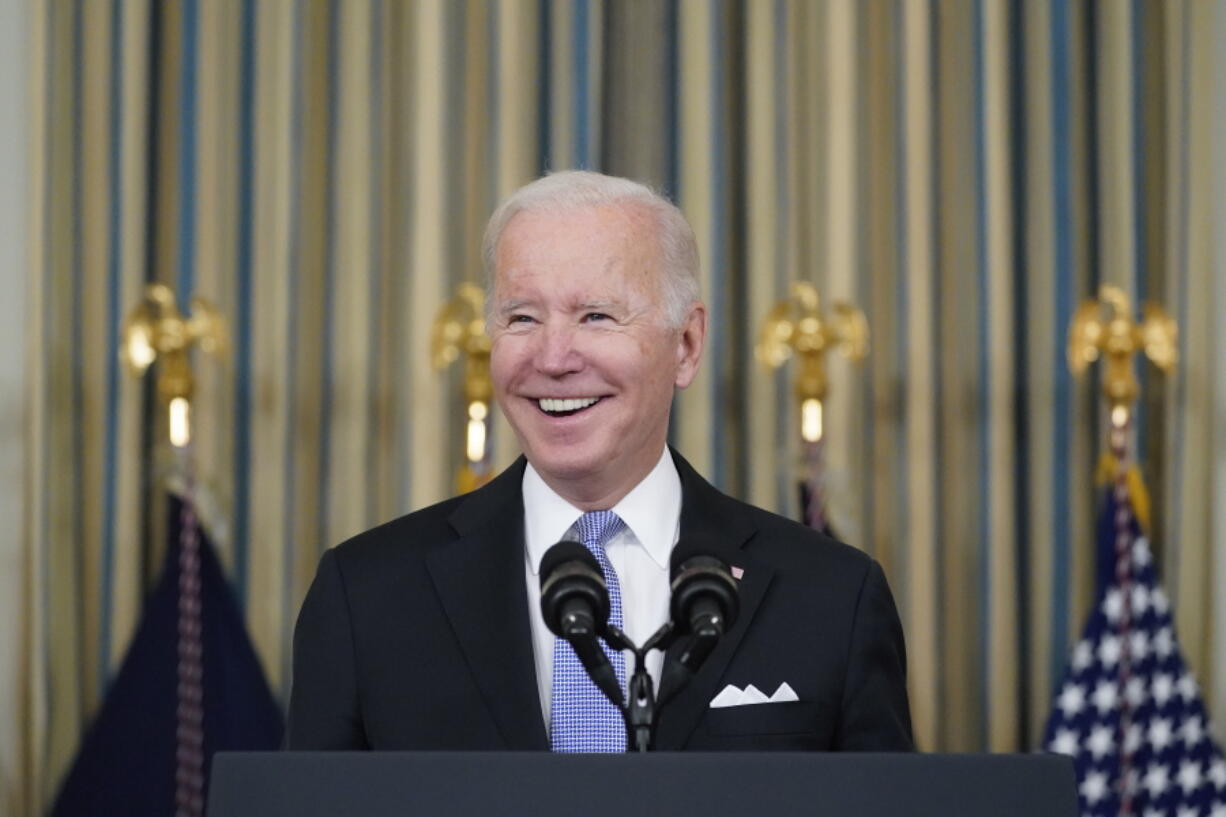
(596, 304)
(511, 305)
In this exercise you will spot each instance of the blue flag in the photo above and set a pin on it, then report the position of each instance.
(1129, 711)
(129, 759)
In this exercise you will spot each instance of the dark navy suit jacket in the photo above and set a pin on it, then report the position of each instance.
(415, 636)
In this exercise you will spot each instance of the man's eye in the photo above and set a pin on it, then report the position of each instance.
(596, 316)
(519, 319)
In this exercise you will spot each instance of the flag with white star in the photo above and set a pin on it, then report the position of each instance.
(1129, 712)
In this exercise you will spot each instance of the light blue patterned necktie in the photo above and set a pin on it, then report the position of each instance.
(582, 718)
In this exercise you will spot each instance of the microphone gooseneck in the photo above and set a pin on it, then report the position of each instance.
(575, 606)
(704, 606)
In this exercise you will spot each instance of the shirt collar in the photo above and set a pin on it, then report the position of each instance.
(651, 511)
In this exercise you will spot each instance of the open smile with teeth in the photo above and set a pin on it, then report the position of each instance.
(562, 407)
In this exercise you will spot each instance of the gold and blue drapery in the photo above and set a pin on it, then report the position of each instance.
(964, 170)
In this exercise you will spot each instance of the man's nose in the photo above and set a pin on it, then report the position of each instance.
(556, 353)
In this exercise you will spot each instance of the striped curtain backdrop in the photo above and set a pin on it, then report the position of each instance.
(965, 171)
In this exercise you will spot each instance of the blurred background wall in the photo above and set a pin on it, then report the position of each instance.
(14, 277)
(965, 171)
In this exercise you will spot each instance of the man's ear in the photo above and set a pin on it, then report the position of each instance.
(689, 344)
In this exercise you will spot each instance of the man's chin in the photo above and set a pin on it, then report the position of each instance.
(572, 464)
(568, 468)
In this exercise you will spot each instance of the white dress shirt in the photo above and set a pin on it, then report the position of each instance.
(639, 554)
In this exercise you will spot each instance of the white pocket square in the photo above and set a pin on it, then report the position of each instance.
(734, 696)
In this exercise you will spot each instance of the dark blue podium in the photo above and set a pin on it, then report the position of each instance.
(402, 784)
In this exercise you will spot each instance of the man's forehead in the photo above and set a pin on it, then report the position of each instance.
(624, 229)
(516, 289)
(612, 266)
(625, 214)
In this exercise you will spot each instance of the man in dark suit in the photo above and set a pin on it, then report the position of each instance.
(425, 633)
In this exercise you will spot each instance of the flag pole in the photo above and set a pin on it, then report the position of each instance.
(795, 327)
(155, 331)
(1118, 435)
(1104, 329)
(459, 331)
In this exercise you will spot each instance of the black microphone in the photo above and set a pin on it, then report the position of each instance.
(575, 606)
(704, 594)
(704, 606)
(574, 598)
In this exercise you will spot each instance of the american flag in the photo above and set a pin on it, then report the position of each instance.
(1129, 711)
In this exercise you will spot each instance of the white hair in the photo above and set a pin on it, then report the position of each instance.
(577, 189)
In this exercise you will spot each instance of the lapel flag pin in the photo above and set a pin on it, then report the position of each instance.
(738, 572)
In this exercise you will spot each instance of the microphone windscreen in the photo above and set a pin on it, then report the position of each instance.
(702, 579)
(564, 552)
(704, 564)
(687, 549)
(571, 580)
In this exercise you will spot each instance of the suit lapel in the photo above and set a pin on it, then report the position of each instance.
(480, 580)
(717, 522)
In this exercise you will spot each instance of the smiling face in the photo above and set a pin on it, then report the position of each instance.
(583, 360)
